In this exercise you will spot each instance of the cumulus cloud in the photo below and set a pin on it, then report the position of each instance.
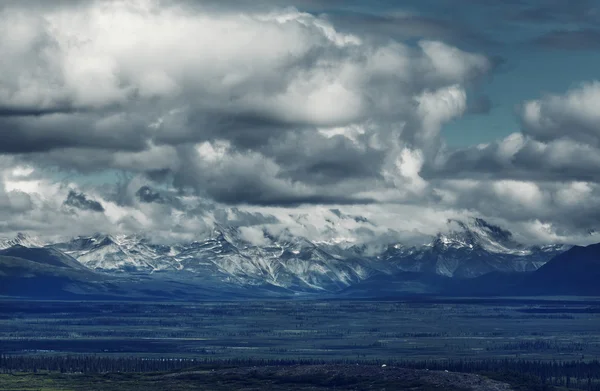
(573, 115)
(274, 121)
(114, 85)
(547, 173)
(559, 141)
(275, 68)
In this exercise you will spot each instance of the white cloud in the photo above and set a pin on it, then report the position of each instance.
(253, 235)
(526, 194)
(275, 111)
(452, 64)
(573, 115)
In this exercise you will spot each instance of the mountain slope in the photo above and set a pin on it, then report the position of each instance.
(296, 264)
(574, 272)
(42, 272)
(118, 253)
(288, 263)
(43, 256)
(22, 240)
(469, 249)
(46, 273)
(399, 284)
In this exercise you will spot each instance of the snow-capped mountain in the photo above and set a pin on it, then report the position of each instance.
(466, 249)
(296, 264)
(21, 240)
(118, 253)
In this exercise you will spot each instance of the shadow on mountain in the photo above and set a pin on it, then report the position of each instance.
(575, 272)
(43, 273)
(46, 273)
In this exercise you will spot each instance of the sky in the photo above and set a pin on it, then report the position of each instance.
(347, 121)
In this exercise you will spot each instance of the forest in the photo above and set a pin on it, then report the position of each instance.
(525, 374)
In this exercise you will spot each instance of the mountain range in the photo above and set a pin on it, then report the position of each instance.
(471, 257)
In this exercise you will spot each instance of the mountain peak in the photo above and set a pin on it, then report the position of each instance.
(21, 239)
(478, 233)
(494, 230)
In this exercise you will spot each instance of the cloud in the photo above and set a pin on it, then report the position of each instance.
(548, 172)
(231, 177)
(275, 121)
(522, 158)
(559, 141)
(305, 111)
(573, 115)
(564, 208)
(146, 194)
(254, 236)
(80, 201)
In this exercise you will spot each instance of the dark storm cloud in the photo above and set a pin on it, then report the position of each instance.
(80, 201)
(530, 161)
(293, 201)
(250, 178)
(35, 132)
(246, 191)
(310, 157)
(240, 191)
(244, 130)
(34, 111)
(586, 39)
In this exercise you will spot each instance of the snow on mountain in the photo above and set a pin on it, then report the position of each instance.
(294, 264)
(466, 249)
(118, 253)
(469, 249)
(21, 240)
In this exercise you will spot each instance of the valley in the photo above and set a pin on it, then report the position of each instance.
(419, 343)
(419, 329)
(470, 310)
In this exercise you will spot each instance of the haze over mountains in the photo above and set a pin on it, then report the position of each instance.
(473, 257)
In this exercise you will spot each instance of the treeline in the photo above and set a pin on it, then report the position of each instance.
(572, 374)
(92, 364)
